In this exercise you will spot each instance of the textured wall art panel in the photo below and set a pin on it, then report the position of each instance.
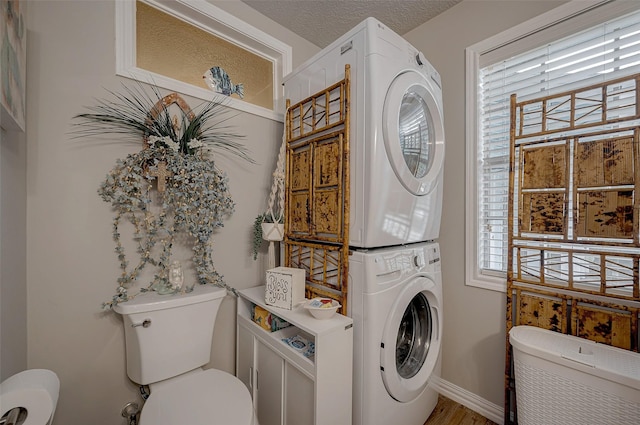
(328, 164)
(543, 212)
(543, 312)
(604, 162)
(603, 325)
(605, 214)
(545, 167)
(326, 212)
(174, 48)
(300, 166)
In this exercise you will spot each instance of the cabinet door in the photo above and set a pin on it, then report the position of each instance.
(244, 365)
(269, 370)
(299, 398)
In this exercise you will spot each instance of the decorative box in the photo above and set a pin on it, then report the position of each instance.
(267, 321)
(284, 287)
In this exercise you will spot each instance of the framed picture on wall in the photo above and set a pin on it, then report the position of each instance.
(13, 57)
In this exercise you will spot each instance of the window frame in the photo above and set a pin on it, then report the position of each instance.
(213, 20)
(575, 17)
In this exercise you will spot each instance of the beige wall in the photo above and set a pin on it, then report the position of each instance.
(474, 319)
(13, 262)
(302, 49)
(13, 252)
(71, 265)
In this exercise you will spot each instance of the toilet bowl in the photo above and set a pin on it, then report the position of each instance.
(29, 397)
(205, 397)
(168, 341)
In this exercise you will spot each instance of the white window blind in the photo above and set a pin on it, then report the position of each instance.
(604, 52)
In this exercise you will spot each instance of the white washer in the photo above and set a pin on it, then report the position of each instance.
(395, 301)
(397, 132)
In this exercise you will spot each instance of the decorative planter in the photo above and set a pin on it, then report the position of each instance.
(272, 231)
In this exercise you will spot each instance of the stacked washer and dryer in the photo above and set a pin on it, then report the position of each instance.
(396, 161)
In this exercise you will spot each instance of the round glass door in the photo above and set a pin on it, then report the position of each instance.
(414, 132)
(414, 337)
(411, 339)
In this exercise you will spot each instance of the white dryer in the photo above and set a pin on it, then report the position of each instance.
(396, 134)
(395, 301)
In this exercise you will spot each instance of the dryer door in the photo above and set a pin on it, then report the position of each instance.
(411, 340)
(414, 131)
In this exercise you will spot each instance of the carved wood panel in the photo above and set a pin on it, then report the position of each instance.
(317, 190)
(317, 207)
(574, 246)
(607, 326)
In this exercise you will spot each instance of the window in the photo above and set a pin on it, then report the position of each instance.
(218, 34)
(569, 47)
(177, 49)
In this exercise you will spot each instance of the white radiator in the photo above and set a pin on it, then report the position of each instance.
(563, 379)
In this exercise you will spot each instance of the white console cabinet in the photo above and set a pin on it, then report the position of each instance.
(287, 387)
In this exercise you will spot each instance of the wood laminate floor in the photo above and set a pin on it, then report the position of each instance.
(448, 412)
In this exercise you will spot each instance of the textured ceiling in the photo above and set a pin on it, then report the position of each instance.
(323, 21)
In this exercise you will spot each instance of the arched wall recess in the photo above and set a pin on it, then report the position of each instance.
(213, 20)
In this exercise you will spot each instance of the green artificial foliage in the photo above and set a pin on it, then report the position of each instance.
(196, 198)
(257, 230)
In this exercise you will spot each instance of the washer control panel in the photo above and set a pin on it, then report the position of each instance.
(433, 254)
(423, 258)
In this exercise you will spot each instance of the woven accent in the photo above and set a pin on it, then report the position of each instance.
(545, 398)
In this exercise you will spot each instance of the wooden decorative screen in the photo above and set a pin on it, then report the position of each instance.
(574, 248)
(317, 190)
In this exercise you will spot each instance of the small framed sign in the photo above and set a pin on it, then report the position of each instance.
(284, 287)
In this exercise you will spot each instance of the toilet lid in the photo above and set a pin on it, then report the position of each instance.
(210, 397)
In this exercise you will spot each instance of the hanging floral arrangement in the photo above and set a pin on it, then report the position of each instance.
(169, 187)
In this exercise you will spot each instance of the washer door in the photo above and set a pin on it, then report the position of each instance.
(411, 340)
(413, 132)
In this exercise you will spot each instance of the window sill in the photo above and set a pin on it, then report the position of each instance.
(144, 76)
(491, 283)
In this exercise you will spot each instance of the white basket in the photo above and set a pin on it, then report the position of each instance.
(563, 379)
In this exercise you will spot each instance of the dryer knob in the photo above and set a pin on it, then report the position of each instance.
(420, 59)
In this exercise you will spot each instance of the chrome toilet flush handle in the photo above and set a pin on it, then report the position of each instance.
(145, 324)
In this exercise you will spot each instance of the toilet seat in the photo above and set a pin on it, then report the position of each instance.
(208, 397)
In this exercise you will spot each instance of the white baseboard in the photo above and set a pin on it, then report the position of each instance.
(468, 399)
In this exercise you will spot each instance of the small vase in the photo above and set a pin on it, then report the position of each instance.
(272, 231)
(176, 276)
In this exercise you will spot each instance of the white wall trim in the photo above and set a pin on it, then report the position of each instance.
(468, 399)
(218, 22)
(536, 24)
(473, 275)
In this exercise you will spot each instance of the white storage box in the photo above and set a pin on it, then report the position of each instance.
(284, 287)
(563, 379)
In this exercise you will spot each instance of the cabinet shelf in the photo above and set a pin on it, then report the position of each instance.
(289, 388)
(274, 340)
(299, 315)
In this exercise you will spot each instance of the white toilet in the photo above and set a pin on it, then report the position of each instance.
(168, 340)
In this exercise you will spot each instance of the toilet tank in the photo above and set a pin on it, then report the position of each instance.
(168, 335)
